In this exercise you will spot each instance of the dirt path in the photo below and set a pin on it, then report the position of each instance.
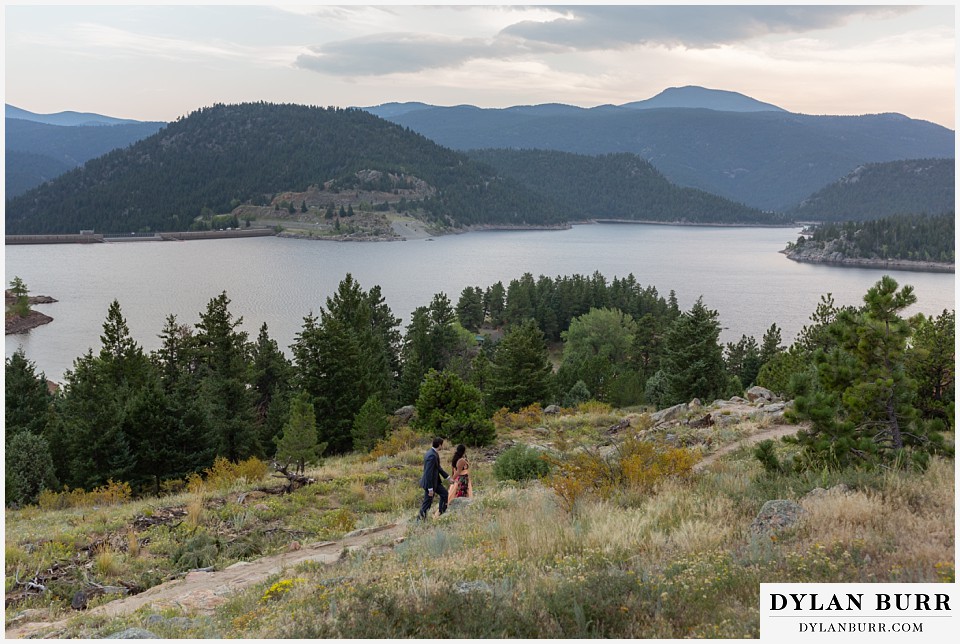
(775, 432)
(202, 592)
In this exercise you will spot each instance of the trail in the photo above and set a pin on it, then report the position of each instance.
(202, 592)
(774, 433)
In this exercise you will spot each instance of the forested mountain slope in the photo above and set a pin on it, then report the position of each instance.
(616, 186)
(222, 156)
(766, 159)
(882, 189)
(55, 149)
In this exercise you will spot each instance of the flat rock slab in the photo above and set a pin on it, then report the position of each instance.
(202, 592)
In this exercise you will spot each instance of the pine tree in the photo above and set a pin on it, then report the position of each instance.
(693, 359)
(520, 374)
(861, 403)
(28, 468)
(222, 370)
(931, 364)
(298, 442)
(271, 375)
(370, 425)
(27, 399)
(470, 308)
(452, 409)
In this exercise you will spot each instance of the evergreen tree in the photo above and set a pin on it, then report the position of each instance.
(693, 359)
(370, 425)
(861, 404)
(28, 468)
(520, 374)
(743, 361)
(453, 409)
(27, 399)
(271, 375)
(298, 442)
(223, 368)
(21, 297)
(494, 300)
(931, 364)
(470, 308)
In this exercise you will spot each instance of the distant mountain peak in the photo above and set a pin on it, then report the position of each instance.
(68, 118)
(694, 96)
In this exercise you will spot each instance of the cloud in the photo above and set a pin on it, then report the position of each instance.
(90, 38)
(395, 53)
(694, 27)
(577, 29)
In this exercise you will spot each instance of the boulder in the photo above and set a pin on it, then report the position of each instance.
(756, 393)
(837, 490)
(776, 516)
(670, 413)
(552, 409)
(541, 431)
(404, 414)
(133, 634)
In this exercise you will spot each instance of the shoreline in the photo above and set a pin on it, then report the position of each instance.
(403, 231)
(862, 262)
(16, 324)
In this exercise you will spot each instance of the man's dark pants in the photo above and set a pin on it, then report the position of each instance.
(441, 492)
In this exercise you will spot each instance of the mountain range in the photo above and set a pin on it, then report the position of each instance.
(40, 147)
(720, 142)
(755, 155)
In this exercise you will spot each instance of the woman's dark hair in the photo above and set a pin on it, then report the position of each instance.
(457, 454)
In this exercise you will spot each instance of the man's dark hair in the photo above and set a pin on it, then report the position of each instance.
(437, 442)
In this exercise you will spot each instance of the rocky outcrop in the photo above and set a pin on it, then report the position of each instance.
(22, 324)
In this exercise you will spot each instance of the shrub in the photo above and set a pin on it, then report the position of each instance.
(526, 417)
(635, 466)
(520, 463)
(29, 468)
(223, 474)
(113, 493)
(399, 440)
(594, 407)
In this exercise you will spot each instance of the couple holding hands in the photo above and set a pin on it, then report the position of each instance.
(432, 471)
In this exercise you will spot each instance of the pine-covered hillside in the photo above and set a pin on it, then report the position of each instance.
(616, 186)
(223, 156)
(874, 190)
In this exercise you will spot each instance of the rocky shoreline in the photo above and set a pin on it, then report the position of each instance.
(820, 256)
(21, 324)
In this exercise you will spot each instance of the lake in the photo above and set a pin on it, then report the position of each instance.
(738, 271)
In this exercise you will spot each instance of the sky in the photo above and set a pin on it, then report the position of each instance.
(161, 62)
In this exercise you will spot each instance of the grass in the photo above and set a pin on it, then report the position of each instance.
(676, 562)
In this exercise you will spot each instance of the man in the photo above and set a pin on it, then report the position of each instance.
(430, 481)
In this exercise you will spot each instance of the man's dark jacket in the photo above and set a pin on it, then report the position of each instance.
(432, 470)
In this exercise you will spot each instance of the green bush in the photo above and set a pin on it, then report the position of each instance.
(453, 409)
(520, 463)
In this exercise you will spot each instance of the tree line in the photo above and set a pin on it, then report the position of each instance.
(928, 238)
(209, 390)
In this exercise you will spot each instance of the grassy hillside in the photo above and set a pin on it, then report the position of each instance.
(224, 156)
(674, 558)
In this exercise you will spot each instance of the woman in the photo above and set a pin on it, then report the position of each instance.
(461, 474)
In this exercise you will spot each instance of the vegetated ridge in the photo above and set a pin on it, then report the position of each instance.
(878, 190)
(37, 152)
(616, 186)
(221, 157)
(922, 242)
(67, 118)
(765, 159)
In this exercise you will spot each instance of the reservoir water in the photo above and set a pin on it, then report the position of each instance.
(738, 271)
